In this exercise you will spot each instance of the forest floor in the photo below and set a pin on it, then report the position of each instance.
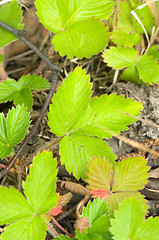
(19, 60)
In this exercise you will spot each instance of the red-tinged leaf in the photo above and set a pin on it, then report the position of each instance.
(99, 193)
(57, 209)
(115, 185)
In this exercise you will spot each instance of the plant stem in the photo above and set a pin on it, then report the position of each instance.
(58, 225)
(20, 34)
(33, 131)
(53, 231)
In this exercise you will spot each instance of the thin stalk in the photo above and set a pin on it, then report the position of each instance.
(21, 35)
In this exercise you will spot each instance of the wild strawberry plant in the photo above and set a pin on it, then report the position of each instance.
(25, 214)
(81, 122)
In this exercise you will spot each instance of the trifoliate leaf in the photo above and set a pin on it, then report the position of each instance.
(84, 39)
(78, 33)
(23, 214)
(120, 182)
(13, 20)
(40, 185)
(76, 150)
(20, 92)
(13, 205)
(134, 227)
(148, 69)
(33, 82)
(13, 129)
(70, 102)
(130, 173)
(131, 74)
(127, 39)
(85, 123)
(120, 57)
(26, 229)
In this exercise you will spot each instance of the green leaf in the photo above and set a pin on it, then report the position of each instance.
(153, 50)
(126, 173)
(146, 17)
(148, 69)
(8, 90)
(13, 205)
(83, 123)
(13, 129)
(26, 229)
(131, 211)
(131, 74)
(119, 183)
(124, 21)
(33, 82)
(84, 39)
(76, 150)
(1, 58)
(78, 33)
(95, 210)
(106, 116)
(127, 39)
(116, 199)
(61, 13)
(120, 57)
(3, 130)
(40, 195)
(17, 124)
(20, 92)
(24, 97)
(100, 228)
(13, 20)
(70, 102)
(134, 227)
(23, 213)
(146, 232)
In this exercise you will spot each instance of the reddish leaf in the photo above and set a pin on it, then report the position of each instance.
(99, 193)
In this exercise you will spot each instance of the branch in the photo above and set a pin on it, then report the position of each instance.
(20, 34)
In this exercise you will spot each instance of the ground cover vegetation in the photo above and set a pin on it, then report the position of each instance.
(82, 123)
